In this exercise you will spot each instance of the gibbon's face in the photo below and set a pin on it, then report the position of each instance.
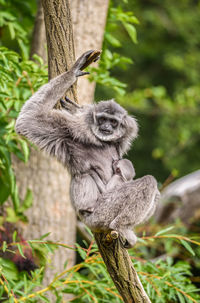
(108, 121)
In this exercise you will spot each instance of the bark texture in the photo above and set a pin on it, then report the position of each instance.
(60, 40)
(48, 180)
(121, 269)
(39, 46)
(89, 18)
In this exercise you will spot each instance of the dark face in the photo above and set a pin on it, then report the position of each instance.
(107, 124)
(109, 121)
(108, 127)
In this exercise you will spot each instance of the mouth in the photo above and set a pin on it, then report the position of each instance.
(106, 132)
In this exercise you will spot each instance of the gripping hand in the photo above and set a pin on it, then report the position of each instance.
(83, 61)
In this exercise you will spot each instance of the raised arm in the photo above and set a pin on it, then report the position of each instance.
(43, 125)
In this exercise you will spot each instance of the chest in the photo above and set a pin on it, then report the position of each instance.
(84, 158)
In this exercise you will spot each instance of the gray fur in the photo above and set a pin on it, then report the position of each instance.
(124, 168)
(75, 140)
(123, 172)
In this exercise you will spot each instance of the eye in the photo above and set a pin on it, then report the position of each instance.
(101, 120)
(118, 171)
(114, 123)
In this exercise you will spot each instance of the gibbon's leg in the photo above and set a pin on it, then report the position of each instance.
(141, 206)
(154, 205)
(128, 235)
(125, 206)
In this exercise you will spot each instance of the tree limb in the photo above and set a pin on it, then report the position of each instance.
(121, 269)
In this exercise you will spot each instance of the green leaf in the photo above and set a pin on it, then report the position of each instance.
(81, 252)
(43, 298)
(15, 198)
(25, 149)
(44, 236)
(4, 192)
(133, 19)
(112, 40)
(188, 247)
(163, 231)
(7, 15)
(181, 297)
(131, 31)
(20, 250)
(12, 179)
(14, 236)
(9, 269)
(120, 91)
(11, 215)
(4, 246)
(23, 48)
(27, 201)
(50, 247)
(12, 31)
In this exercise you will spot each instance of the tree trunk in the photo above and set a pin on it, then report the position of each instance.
(38, 45)
(89, 18)
(48, 180)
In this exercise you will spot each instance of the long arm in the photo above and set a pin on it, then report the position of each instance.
(100, 185)
(40, 123)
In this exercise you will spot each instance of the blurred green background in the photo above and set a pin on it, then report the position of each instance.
(163, 85)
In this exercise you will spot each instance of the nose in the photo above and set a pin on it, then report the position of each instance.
(106, 127)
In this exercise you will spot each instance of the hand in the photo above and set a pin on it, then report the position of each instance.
(86, 59)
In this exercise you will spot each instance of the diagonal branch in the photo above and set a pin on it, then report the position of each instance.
(121, 269)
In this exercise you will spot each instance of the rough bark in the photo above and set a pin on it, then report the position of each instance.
(48, 180)
(60, 40)
(121, 269)
(89, 18)
(38, 45)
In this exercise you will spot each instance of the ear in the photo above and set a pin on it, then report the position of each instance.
(132, 127)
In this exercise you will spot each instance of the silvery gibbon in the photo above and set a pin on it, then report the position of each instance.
(87, 141)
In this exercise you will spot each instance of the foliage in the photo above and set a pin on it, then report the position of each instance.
(168, 50)
(18, 79)
(117, 18)
(178, 116)
(13, 35)
(163, 85)
(165, 280)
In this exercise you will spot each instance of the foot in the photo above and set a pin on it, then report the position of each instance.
(129, 244)
(131, 239)
(128, 236)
